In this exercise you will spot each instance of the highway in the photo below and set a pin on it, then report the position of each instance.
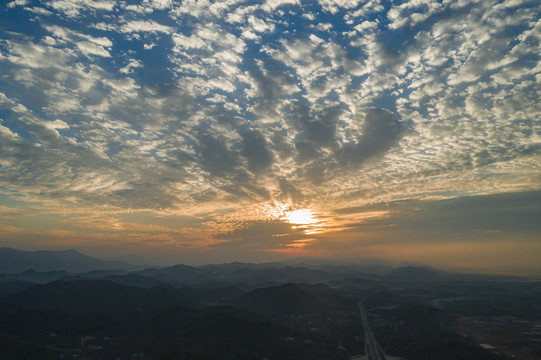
(371, 347)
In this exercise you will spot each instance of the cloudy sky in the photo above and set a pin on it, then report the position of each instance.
(211, 131)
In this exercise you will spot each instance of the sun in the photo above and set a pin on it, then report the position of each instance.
(300, 217)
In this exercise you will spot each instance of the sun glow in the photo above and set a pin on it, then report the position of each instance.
(300, 217)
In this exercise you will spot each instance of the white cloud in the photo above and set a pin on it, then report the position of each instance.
(247, 34)
(240, 14)
(6, 132)
(333, 6)
(247, 86)
(92, 45)
(129, 68)
(73, 36)
(139, 9)
(14, 3)
(89, 48)
(260, 25)
(73, 8)
(39, 11)
(189, 42)
(323, 26)
(35, 56)
(145, 26)
(370, 6)
(204, 9)
(159, 4)
(104, 26)
(308, 15)
(366, 25)
(405, 13)
(271, 5)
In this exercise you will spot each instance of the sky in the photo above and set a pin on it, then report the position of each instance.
(166, 131)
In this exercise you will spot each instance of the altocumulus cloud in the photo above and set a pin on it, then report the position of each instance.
(174, 105)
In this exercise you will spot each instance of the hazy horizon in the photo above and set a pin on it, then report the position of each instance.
(208, 132)
(351, 262)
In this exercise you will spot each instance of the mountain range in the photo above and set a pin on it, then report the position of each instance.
(67, 305)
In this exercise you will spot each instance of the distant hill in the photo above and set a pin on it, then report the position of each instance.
(17, 261)
(292, 274)
(7, 288)
(179, 275)
(279, 273)
(284, 299)
(134, 280)
(33, 276)
(211, 296)
(96, 296)
(416, 274)
(422, 274)
(238, 273)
